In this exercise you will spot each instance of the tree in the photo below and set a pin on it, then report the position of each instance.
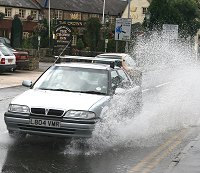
(184, 13)
(16, 32)
(93, 26)
(80, 44)
(41, 30)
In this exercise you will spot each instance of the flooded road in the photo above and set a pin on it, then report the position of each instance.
(148, 142)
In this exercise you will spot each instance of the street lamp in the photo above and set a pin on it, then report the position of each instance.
(106, 32)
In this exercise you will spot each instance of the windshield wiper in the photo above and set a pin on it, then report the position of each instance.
(56, 89)
(92, 92)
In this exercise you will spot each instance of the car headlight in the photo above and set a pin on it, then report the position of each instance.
(19, 108)
(79, 114)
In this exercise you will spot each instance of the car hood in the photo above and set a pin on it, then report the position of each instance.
(57, 99)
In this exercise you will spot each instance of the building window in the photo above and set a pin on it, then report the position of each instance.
(8, 12)
(112, 20)
(59, 14)
(26, 35)
(94, 15)
(22, 13)
(144, 10)
(34, 14)
(74, 40)
(85, 17)
(75, 16)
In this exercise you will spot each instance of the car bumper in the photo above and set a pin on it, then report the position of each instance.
(9, 67)
(68, 128)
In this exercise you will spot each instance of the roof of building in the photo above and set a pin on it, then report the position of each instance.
(19, 3)
(112, 7)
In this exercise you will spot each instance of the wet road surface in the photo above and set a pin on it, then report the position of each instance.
(37, 154)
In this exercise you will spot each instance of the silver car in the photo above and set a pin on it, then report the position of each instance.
(66, 100)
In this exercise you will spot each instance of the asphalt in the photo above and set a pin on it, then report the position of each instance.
(188, 160)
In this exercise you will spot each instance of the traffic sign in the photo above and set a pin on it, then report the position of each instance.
(123, 29)
(170, 31)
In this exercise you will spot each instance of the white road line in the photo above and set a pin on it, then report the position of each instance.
(158, 86)
(145, 90)
(162, 84)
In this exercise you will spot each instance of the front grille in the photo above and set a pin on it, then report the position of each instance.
(39, 111)
(47, 112)
(55, 112)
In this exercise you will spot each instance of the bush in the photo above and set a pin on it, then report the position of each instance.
(80, 44)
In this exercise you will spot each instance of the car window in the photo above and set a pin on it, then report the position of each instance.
(123, 75)
(129, 61)
(74, 79)
(5, 51)
(7, 41)
(114, 79)
(2, 40)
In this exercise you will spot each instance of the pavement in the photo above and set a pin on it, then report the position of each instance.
(16, 78)
(188, 160)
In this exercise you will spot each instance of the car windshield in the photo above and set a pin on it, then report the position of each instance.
(6, 51)
(71, 79)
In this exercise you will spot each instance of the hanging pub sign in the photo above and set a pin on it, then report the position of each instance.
(62, 35)
(71, 23)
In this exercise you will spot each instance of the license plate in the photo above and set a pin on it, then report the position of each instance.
(10, 60)
(44, 123)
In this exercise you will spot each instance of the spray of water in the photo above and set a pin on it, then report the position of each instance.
(171, 107)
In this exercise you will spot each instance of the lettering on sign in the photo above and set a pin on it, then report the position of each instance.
(63, 34)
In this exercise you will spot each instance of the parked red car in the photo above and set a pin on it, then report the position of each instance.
(21, 56)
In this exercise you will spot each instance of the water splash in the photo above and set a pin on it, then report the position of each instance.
(171, 107)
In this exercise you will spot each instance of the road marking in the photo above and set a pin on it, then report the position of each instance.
(145, 90)
(158, 86)
(159, 159)
(147, 161)
(162, 84)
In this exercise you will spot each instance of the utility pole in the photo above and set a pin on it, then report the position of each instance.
(49, 23)
(129, 8)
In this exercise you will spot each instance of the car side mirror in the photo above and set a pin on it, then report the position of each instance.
(27, 83)
(116, 80)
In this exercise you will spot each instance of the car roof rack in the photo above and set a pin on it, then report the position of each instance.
(68, 58)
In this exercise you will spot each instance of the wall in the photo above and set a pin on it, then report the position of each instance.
(136, 10)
